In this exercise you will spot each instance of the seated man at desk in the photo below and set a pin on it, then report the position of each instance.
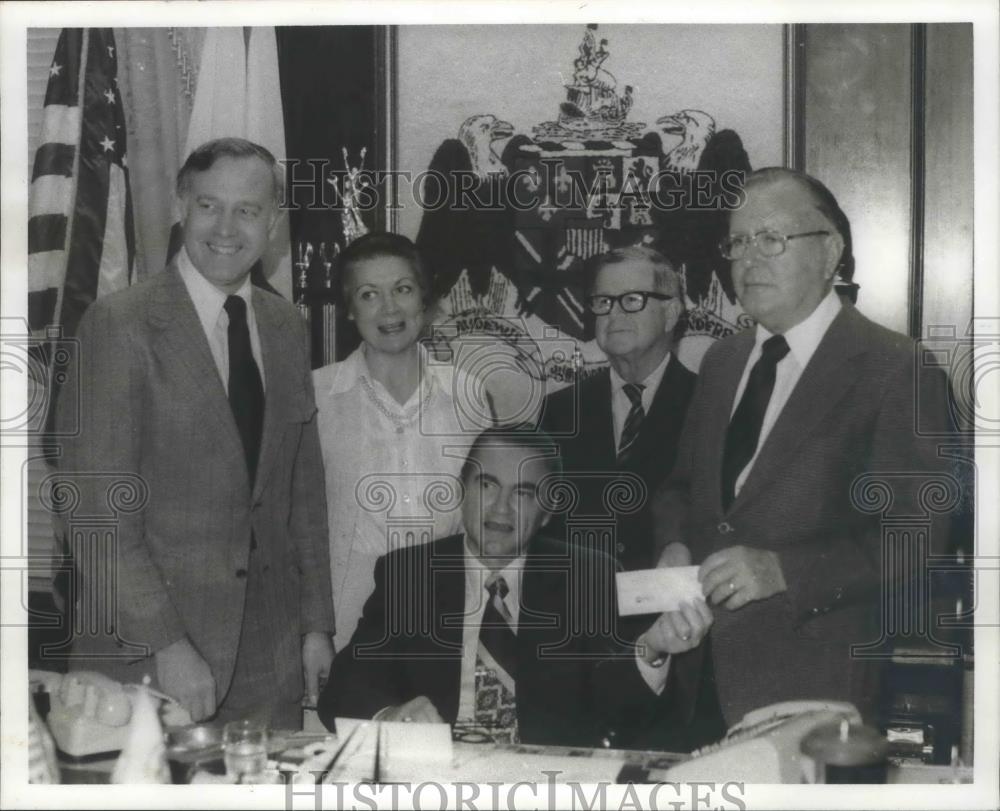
(499, 628)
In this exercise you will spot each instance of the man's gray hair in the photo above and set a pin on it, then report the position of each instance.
(665, 277)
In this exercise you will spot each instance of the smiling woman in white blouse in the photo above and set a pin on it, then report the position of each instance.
(390, 425)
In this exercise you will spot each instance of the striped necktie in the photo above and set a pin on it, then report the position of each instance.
(633, 422)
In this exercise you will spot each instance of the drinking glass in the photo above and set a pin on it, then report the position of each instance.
(244, 747)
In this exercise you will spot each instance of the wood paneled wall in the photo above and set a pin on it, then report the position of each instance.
(886, 123)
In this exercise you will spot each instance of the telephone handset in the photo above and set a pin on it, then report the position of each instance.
(89, 713)
(764, 746)
(758, 721)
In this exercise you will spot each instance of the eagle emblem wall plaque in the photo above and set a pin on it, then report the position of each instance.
(510, 220)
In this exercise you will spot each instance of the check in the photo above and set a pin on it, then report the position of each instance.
(653, 591)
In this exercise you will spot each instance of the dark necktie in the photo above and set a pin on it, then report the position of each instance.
(246, 392)
(744, 428)
(495, 633)
(633, 422)
(496, 667)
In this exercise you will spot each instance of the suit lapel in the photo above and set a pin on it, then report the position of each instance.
(666, 413)
(447, 582)
(719, 404)
(596, 421)
(823, 382)
(173, 317)
(531, 614)
(543, 595)
(281, 387)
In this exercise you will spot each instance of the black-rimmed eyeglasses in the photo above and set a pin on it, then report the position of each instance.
(631, 302)
(769, 243)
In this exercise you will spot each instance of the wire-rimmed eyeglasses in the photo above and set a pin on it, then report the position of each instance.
(769, 243)
(631, 302)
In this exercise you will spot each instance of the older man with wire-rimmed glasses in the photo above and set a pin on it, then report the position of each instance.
(788, 418)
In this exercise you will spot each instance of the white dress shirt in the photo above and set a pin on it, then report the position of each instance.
(621, 404)
(802, 340)
(476, 597)
(209, 303)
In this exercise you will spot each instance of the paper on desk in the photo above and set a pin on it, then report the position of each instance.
(653, 591)
(405, 750)
(538, 765)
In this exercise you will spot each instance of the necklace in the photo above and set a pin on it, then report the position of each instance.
(401, 421)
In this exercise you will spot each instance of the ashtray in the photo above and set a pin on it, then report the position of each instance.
(193, 738)
(193, 747)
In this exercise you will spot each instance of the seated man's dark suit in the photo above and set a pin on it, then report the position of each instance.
(580, 420)
(571, 688)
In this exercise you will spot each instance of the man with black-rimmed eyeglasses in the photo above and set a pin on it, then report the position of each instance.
(626, 419)
(619, 431)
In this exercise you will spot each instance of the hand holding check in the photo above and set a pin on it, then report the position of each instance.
(738, 575)
(676, 631)
(674, 590)
(731, 578)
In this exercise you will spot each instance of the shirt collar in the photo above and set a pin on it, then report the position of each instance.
(354, 367)
(650, 384)
(805, 336)
(208, 299)
(477, 575)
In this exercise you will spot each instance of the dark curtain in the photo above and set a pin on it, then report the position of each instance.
(332, 81)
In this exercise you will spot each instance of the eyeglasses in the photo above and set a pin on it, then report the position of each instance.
(769, 243)
(632, 302)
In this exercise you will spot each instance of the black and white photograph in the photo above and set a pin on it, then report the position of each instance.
(502, 405)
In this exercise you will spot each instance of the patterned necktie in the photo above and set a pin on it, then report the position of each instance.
(496, 667)
(633, 422)
(246, 392)
(744, 428)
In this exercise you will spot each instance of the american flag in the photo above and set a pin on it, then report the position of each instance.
(81, 240)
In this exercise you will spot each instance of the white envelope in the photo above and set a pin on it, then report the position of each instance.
(653, 591)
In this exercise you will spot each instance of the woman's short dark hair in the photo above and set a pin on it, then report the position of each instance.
(376, 245)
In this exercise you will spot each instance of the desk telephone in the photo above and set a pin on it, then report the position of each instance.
(764, 746)
(89, 713)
